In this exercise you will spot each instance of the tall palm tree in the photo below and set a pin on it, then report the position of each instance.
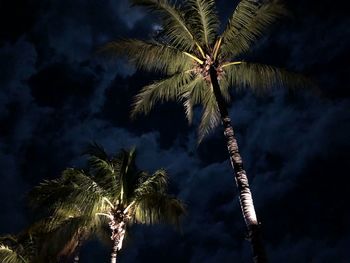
(113, 192)
(200, 66)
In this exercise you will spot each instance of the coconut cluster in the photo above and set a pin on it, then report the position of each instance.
(204, 69)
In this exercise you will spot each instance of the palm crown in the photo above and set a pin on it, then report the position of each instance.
(189, 44)
(82, 202)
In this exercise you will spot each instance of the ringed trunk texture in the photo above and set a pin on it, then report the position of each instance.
(118, 234)
(114, 251)
(245, 196)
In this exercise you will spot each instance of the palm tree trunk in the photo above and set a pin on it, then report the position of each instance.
(118, 234)
(79, 245)
(114, 251)
(245, 196)
(77, 252)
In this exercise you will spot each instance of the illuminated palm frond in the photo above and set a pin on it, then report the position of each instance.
(174, 28)
(193, 95)
(155, 208)
(161, 91)
(8, 255)
(202, 17)
(248, 23)
(156, 182)
(149, 55)
(210, 116)
(104, 169)
(62, 237)
(48, 193)
(261, 78)
(21, 248)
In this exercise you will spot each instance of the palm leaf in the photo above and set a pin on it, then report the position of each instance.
(174, 29)
(149, 55)
(105, 170)
(128, 174)
(202, 17)
(48, 193)
(249, 21)
(261, 78)
(62, 237)
(164, 90)
(8, 255)
(154, 208)
(193, 95)
(210, 116)
(157, 182)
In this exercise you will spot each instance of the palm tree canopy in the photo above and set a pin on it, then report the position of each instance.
(190, 43)
(76, 201)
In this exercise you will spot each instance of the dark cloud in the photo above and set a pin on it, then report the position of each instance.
(56, 95)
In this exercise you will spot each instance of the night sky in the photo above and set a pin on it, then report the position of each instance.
(57, 94)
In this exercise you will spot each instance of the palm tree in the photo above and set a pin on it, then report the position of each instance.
(200, 66)
(113, 192)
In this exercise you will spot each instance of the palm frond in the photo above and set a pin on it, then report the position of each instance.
(193, 95)
(157, 182)
(128, 174)
(248, 23)
(202, 17)
(80, 193)
(261, 78)
(210, 116)
(62, 237)
(48, 193)
(104, 169)
(164, 90)
(88, 196)
(174, 29)
(149, 55)
(157, 208)
(8, 255)
(94, 149)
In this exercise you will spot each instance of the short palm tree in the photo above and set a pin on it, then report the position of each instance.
(201, 66)
(113, 192)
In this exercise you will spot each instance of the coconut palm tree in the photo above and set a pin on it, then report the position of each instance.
(201, 65)
(112, 192)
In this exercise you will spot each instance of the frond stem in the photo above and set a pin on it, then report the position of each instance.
(200, 49)
(194, 57)
(106, 215)
(232, 63)
(109, 202)
(128, 207)
(217, 47)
